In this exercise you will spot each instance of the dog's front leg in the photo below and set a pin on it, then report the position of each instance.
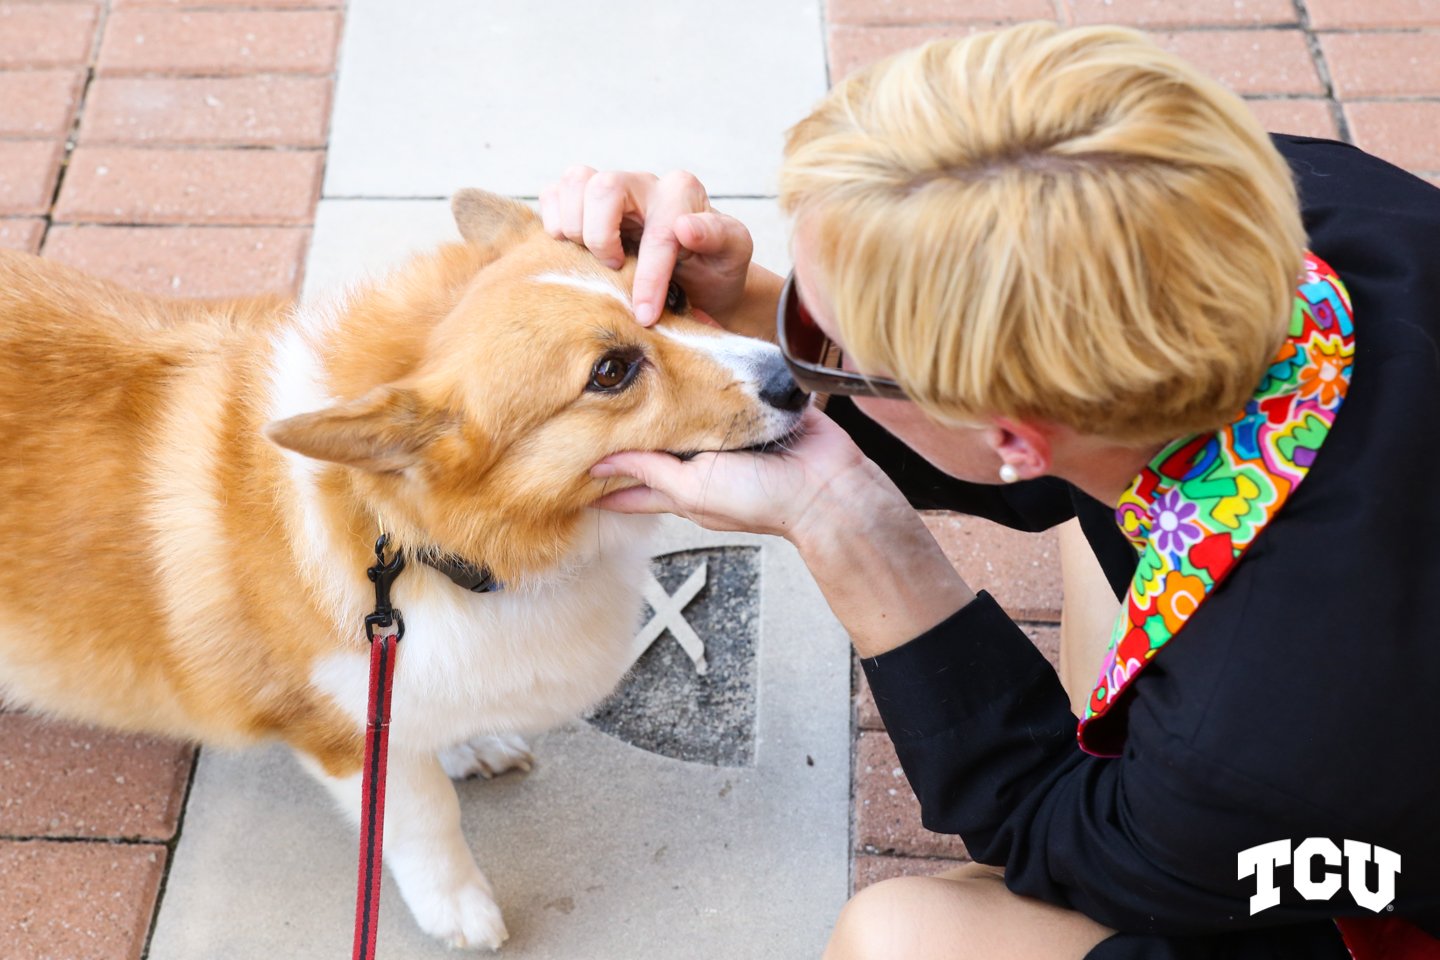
(425, 850)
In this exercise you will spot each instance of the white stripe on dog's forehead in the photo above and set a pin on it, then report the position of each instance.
(592, 284)
(745, 356)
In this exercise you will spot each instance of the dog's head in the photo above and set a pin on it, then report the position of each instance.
(477, 386)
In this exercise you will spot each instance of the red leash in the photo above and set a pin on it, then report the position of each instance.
(383, 628)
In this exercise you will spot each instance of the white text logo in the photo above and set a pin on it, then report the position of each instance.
(1314, 883)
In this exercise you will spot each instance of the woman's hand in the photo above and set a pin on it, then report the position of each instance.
(707, 252)
(779, 492)
(884, 575)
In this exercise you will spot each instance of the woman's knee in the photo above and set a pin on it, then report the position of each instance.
(968, 917)
(865, 928)
(915, 918)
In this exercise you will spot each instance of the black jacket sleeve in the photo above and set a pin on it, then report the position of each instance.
(1143, 843)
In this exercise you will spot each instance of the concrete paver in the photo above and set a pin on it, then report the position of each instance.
(80, 901)
(31, 167)
(64, 780)
(1022, 570)
(1249, 61)
(1402, 132)
(186, 261)
(38, 103)
(1308, 118)
(1153, 14)
(290, 111)
(46, 34)
(932, 12)
(132, 185)
(219, 42)
(21, 233)
(887, 816)
(1370, 14)
(1383, 64)
(432, 98)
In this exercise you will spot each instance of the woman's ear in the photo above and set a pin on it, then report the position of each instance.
(384, 431)
(1022, 446)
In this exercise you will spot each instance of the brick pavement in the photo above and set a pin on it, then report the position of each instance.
(176, 146)
(177, 151)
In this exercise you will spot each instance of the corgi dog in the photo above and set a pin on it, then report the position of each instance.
(190, 494)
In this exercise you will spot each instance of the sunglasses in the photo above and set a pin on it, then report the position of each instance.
(814, 359)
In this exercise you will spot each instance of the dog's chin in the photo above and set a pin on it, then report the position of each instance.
(774, 445)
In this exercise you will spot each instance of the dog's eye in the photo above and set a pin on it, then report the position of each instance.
(613, 373)
(675, 298)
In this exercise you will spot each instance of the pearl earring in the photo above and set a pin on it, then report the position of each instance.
(1008, 473)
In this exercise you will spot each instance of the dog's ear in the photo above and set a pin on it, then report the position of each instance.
(488, 218)
(383, 431)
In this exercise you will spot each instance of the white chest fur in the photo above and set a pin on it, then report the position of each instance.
(517, 661)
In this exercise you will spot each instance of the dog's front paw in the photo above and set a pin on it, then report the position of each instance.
(465, 917)
(487, 757)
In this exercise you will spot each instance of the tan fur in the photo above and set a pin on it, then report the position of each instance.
(135, 455)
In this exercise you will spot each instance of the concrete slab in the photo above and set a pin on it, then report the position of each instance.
(606, 851)
(439, 94)
(354, 238)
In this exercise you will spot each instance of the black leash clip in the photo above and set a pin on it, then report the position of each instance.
(383, 576)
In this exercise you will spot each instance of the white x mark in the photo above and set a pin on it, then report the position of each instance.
(669, 615)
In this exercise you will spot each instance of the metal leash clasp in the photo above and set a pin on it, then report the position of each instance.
(383, 575)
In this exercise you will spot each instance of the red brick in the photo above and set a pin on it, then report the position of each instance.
(1307, 118)
(1249, 61)
(1182, 13)
(936, 11)
(1403, 133)
(853, 47)
(38, 103)
(887, 816)
(62, 780)
(238, 111)
(20, 235)
(46, 34)
(77, 900)
(1368, 14)
(1021, 570)
(187, 261)
(1383, 64)
(128, 185)
(871, 869)
(28, 169)
(1045, 637)
(219, 42)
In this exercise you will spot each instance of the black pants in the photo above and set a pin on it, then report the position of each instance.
(1309, 941)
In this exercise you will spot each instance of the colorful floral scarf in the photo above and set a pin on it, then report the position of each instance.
(1195, 509)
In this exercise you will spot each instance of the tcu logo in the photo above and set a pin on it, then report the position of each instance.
(1261, 861)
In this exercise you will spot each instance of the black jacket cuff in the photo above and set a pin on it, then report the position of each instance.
(962, 666)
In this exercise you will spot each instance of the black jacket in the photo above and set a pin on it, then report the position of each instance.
(1302, 699)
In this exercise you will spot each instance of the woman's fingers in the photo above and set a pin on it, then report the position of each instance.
(675, 223)
(608, 199)
(571, 221)
(674, 196)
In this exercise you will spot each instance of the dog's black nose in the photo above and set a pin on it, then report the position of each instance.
(780, 390)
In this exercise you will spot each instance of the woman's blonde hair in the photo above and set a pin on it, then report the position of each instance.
(1042, 223)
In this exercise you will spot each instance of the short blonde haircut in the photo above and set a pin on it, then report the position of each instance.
(1068, 225)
